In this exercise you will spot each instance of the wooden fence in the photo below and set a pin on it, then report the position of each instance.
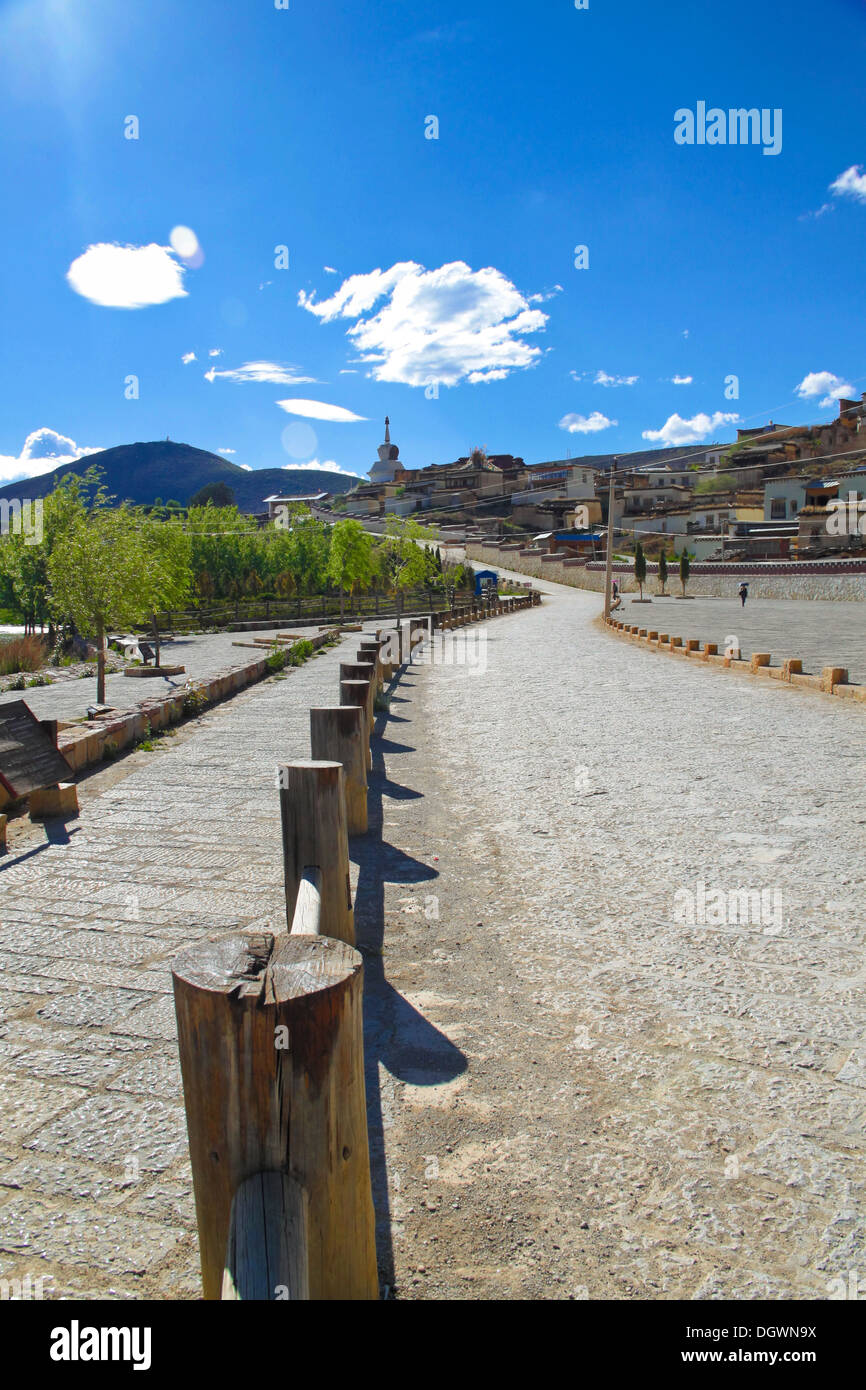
(270, 1027)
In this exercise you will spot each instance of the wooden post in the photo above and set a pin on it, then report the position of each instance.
(369, 652)
(271, 1053)
(358, 693)
(338, 734)
(268, 1241)
(307, 920)
(313, 813)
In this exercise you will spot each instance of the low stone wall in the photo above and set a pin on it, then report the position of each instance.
(807, 580)
(833, 680)
(83, 745)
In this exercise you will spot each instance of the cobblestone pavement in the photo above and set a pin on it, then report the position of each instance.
(582, 1096)
(821, 633)
(95, 1190)
(202, 655)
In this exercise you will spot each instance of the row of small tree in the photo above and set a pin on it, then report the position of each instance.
(640, 568)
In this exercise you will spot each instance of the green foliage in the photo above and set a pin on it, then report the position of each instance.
(721, 482)
(663, 569)
(685, 568)
(640, 566)
(300, 652)
(219, 494)
(195, 700)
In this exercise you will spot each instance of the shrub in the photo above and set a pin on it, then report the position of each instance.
(22, 654)
(194, 700)
(299, 653)
(17, 684)
(277, 658)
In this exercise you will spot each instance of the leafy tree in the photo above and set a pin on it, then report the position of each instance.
(110, 568)
(219, 493)
(685, 567)
(168, 572)
(663, 569)
(640, 567)
(403, 562)
(350, 562)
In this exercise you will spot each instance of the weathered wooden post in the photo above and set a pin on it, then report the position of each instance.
(271, 1053)
(313, 814)
(358, 693)
(338, 734)
(369, 651)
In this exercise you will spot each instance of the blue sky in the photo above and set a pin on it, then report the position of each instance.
(465, 317)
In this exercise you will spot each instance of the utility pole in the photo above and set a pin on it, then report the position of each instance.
(608, 574)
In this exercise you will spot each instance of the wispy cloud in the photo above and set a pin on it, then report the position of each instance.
(446, 325)
(127, 277)
(676, 430)
(682, 380)
(320, 410)
(188, 357)
(603, 379)
(850, 184)
(227, 451)
(325, 466)
(586, 424)
(214, 352)
(825, 384)
(330, 270)
(259, 371)
(44, 450)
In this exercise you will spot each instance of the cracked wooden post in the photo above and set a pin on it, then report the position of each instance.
(271, 1054)
(313, 815)
(338, 734)
(358, 693)
(361, 671)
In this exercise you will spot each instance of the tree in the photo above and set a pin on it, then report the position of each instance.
(350, 561)
(403, 562)
(219, 493)
(640, 567)
(110, 568)
(663, 569)
(168, 573)
(684, 570)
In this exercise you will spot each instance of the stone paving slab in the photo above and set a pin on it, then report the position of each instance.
(95, 1188)
(202, 654)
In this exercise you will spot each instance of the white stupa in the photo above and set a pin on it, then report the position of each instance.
(383, 471)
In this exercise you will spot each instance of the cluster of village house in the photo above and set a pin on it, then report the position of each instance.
(771, 501)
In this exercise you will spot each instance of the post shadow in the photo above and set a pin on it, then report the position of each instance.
(395, 1034)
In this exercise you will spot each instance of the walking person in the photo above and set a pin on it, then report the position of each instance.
(743, 591)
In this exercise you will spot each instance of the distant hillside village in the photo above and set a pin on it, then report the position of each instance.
(773, 494)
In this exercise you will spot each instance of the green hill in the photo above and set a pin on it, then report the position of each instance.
(143, 472)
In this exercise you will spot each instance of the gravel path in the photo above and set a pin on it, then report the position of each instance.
(582, 1096)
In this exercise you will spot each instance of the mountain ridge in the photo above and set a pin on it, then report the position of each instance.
(143, 471)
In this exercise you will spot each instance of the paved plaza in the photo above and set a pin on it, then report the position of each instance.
(202, 655)
(820, 632)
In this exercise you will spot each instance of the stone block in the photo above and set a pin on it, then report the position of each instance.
(759, 659)
(61, 800)
(692, 645)
(832, 676)
(792, 666)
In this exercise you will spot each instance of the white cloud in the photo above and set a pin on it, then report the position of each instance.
(320, 410)
(825, 384)
(602, 379)
(188, 357)
(446, 325)
(326, 466)
(850, 184)
(228, 451)
(685, 332)
(259, 371)
(127, 277)
(586, 424)
(44, 450)
(329, 270)
(214, 352)
(676, 430)
(247, 467)
(682, 380)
